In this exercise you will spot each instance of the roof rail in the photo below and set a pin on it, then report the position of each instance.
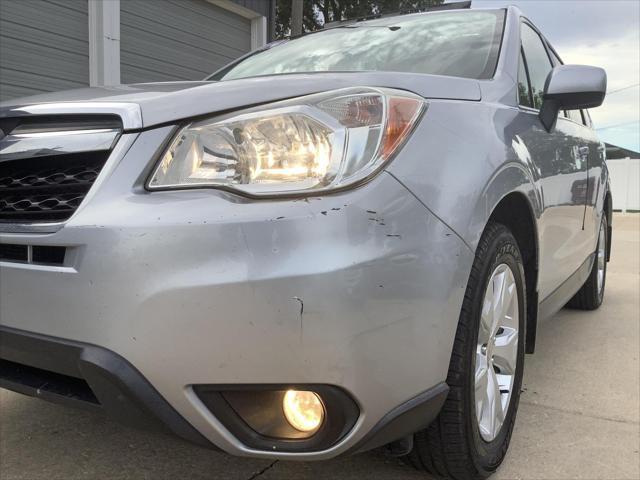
(433, 8)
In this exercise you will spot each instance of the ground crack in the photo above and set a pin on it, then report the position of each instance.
(580, 414)
(264, 470)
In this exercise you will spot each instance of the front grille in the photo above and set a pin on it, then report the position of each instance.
(34, 254)
(14, 253)
(48, 165)
(47, 188)
(45, 255)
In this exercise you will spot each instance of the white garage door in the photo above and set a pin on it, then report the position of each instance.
(170, 40)
(44, 46)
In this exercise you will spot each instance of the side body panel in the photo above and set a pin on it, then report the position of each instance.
(598, 178)
(560, 170)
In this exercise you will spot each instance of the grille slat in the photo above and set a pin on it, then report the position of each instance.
(40, 254)
(47, 188)
(45, 168)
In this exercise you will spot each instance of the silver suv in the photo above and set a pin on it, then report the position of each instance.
(345, 241)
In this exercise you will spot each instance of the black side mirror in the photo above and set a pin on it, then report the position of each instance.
(571, 87)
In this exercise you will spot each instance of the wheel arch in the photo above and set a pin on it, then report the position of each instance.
(515, 211)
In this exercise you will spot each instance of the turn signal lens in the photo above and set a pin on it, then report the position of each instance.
(401, 117)
(303, 410)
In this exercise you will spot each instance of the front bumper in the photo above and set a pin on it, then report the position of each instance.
(360, 290)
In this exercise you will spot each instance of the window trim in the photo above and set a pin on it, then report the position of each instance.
(525, 20)
(545, 42)
(500, 46)
(526, 72)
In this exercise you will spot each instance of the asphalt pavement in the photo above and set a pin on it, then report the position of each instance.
(579, 415)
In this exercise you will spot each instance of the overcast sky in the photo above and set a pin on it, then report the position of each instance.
(605, 33)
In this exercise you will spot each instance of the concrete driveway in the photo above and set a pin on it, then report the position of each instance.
(578, 417)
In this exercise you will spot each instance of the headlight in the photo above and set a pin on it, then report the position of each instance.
(306, 145)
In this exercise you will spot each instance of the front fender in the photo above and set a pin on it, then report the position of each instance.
(462, 160)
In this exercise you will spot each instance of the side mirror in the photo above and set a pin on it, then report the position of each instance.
(571, 87)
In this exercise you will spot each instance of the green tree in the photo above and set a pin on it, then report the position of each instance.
(318, 12)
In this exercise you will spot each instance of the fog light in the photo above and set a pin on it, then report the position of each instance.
(303, 410)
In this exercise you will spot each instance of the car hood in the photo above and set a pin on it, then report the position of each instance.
(152, 104)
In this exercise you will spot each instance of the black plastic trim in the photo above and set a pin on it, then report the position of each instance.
(406, 419)
(532, 323)
(121, 391)
(341, 414)
(51, 386)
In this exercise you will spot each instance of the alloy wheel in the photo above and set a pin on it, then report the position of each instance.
(602, 257)
(496, 352)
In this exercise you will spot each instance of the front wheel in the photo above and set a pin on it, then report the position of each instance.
(470, 436)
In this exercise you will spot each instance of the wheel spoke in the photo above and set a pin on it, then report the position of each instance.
(510, 311)
(505, 382)
(486, 405)
(505, 351)
(498, 301)
(480, 391)
(494, 411)
(498, 411)
(486, 321)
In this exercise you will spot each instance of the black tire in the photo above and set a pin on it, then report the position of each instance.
(451, 446)
(590, 296)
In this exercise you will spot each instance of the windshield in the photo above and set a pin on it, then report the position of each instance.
(455, 43)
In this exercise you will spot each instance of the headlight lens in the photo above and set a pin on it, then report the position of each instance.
(307, 145)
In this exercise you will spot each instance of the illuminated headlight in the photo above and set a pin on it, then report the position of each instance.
(306, 145)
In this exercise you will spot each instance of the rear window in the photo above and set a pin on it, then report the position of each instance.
(460, 44)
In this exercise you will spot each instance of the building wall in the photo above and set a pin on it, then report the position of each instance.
(165, 40)
(263, 7)
(44, 46)
(625, 183)
(50, 45)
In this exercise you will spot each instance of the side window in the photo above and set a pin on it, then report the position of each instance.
(575, 115)
(524, 92)
(538, 62)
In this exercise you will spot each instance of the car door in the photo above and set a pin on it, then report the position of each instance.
(592, 152)
(596, 176)
(560, 162)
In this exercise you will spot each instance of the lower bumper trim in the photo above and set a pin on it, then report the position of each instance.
(405, 419)
(87, 376)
